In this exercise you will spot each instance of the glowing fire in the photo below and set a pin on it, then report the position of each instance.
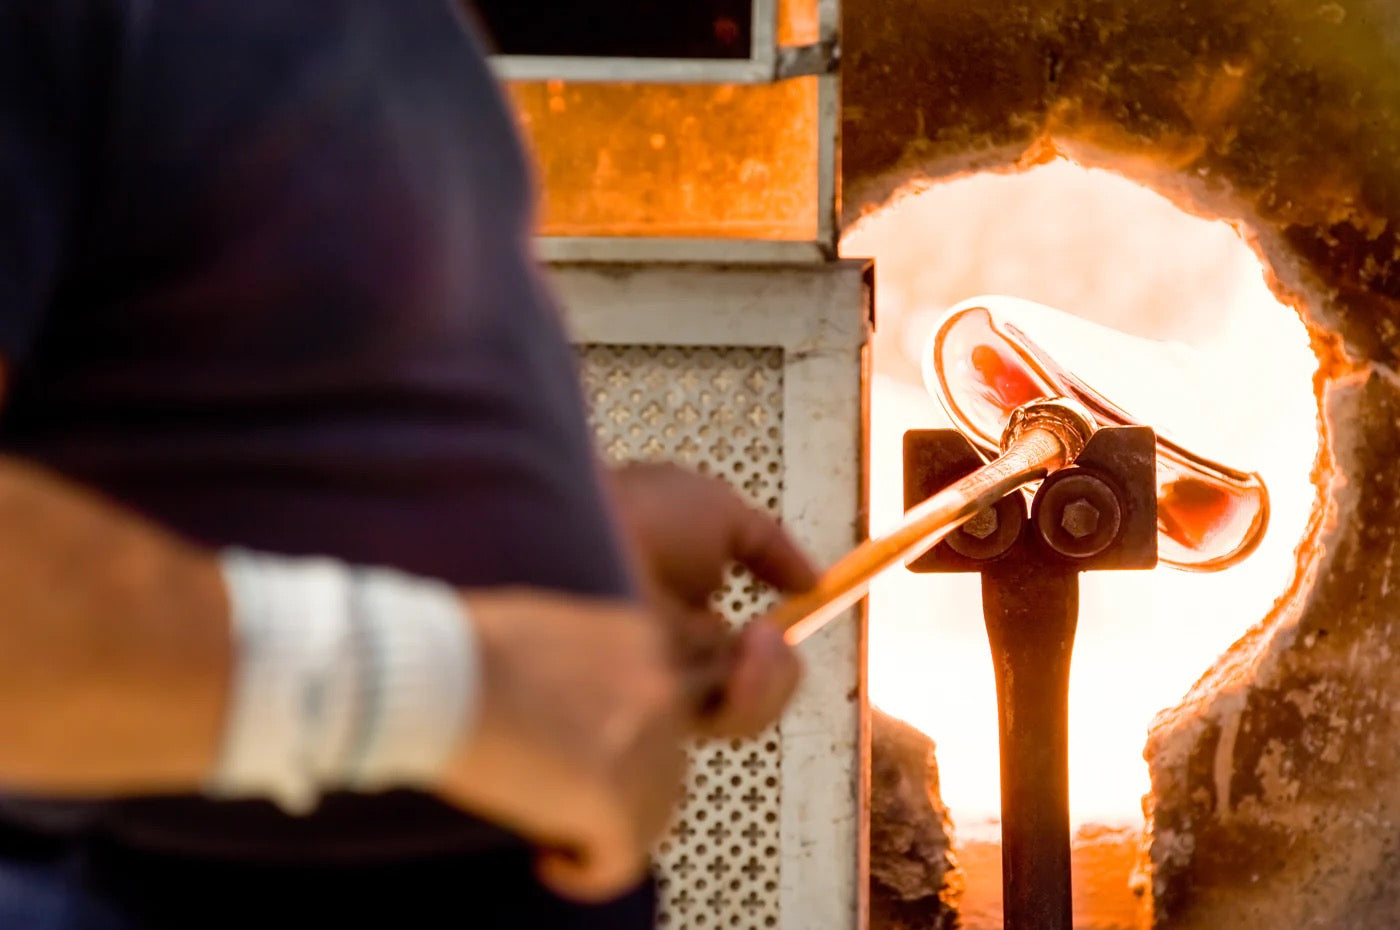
(1099, 246)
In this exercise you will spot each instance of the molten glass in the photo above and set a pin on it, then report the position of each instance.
(981, 366)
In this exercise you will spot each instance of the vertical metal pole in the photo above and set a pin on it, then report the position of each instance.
(1030, 599)
(1032, 609)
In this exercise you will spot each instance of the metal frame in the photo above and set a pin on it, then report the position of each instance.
(829, 130)
(822, 248)
(821, 60)
(820, 316)
(828, 164)
(760, 67)
(664, 250)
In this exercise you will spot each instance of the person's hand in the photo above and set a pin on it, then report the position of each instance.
(577, 740)
(685, 529)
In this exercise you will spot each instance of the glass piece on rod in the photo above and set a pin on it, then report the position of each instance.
(981, 366)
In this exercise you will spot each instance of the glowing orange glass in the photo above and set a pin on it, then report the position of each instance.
(981, 367)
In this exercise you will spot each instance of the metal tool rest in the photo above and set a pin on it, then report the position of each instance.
(1099, 515)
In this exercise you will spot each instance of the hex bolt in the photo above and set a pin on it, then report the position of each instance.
(1078, 515)
(990, 533)
(983, 524)
(1081, 518)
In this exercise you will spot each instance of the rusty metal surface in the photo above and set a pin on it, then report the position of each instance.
(1284, 115)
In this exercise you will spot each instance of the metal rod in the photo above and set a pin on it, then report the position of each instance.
(1041, 438)
(1032, 607)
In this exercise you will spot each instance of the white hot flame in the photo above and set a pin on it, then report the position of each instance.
(1093, 244)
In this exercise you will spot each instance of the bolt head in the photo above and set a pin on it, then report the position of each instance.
(1078, 514)
(1080, 519)
(983, 524)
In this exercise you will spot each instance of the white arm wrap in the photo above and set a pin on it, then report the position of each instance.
(343, 678)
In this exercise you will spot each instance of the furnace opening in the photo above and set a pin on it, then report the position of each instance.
(1101, 247)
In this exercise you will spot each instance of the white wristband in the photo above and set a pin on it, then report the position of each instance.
(421, 686)
(344, 678)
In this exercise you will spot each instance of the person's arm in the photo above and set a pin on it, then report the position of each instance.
(116, 661)
(114, 646)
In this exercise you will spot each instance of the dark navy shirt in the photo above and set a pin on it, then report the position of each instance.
(265, 277)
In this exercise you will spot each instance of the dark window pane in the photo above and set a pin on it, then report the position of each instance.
(620, 28)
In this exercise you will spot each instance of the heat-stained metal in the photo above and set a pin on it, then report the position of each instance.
(1078, 515)
(1099, 514)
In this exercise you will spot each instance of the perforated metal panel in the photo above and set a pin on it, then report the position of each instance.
(752, 372)
(719, 410)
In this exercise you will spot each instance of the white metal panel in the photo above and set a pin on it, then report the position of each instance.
(756, 375)
(718, 410)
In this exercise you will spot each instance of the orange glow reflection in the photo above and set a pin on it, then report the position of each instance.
(1094, 244)
(674, 160)
(798, 22)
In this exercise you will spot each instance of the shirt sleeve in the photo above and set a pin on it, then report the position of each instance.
(46, 57)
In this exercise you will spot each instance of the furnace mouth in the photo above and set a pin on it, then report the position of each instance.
(1133, 262)
(1281, 120)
